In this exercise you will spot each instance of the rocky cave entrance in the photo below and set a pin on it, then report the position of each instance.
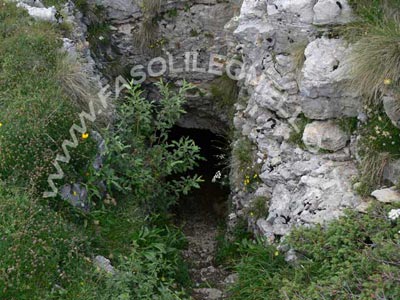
(202, 211)
(211, 199)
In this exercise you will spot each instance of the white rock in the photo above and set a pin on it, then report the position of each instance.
(332, 12)
(391, 172)
(324, 135)
(209, 294)
(389, 195)
(325, 76)
(302, 8)
(45, 14)
(104, 264)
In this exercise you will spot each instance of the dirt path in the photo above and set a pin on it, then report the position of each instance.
(199, 216)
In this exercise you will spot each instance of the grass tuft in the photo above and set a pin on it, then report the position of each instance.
(375, 61)
(146, 38)
(298, 56)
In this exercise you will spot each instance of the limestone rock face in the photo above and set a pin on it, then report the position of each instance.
(182, 26)
(305, 186)
(324, 135)
(120, 10)
(323, 89)
(332, 12)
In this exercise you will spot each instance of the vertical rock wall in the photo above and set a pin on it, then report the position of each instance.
(295, 68)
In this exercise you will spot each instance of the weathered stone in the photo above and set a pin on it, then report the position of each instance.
(209, 293)
(391, 105)
(120, 10)
(388, 195)
(76, 195)
(323, 88)
(40, 13)
(391, 172)
(324, 135)
(318, 196)
(332, 12)
(291, 256)
(301, 8)
(231, 279)
(104, 264)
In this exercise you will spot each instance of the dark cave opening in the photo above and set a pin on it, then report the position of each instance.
(211, 200)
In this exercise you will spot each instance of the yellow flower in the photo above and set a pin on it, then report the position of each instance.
(74, 193)
(85, 135)
(276, 253)
(251, 214)
(387, 81)
(255, 176)
(1, 124)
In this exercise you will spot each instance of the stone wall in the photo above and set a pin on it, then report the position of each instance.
(177, 28)
(301, 185)
(295, 71)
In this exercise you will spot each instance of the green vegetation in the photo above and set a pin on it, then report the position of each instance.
(296, 136)
(42, 256)
(228, 249)
(139, 155)
(47, 246)
(243, 158)
(348, 124)
(375, 69)
(356, 257)
(36, 111)
(225, 93)
(259, 207)
(172, 13)
(379, 143)
(194, 32)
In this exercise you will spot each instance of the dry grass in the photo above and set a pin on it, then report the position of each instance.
(371, 171)
(80, 87)
(148, 32)
(375, 61)
(298, 56)
(152, 6)
(147, 35)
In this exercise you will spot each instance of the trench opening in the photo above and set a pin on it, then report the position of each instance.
(211, 199)
(201, 212)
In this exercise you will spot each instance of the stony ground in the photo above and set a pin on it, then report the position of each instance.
(200, 216)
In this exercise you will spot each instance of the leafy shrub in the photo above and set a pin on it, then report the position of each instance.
(139, 155)
(355, 257)
(153, 268)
